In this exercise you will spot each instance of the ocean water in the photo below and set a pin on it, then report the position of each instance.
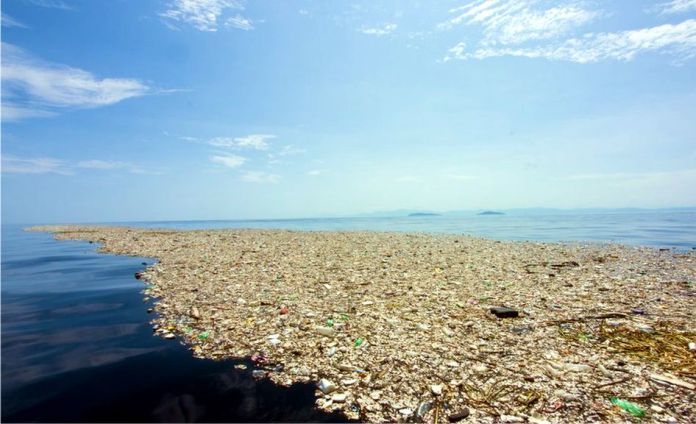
(77, 344)
(656, 228)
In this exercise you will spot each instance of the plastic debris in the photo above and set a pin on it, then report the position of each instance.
(259, 374)
(436, 389)
(629, 407)
(458, 416)
(195, 313)
(671, 380)
(326, 386)
(345, 367)
(572, 367)
(325, 331)
(259, 358)
(339, 397)
(423, 409)
(204, 335)
(503, 312)
(358, 342)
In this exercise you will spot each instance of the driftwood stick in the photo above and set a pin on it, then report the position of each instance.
(611, 383)
(587, 318)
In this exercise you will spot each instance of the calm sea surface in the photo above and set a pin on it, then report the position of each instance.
(647, 228)
(77, 345)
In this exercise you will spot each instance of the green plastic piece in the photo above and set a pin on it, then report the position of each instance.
(629, 407)
(329, 322)
(358, 341)
(204, 335)
(344, 317)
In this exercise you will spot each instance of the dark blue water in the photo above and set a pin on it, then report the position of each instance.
(77, 344)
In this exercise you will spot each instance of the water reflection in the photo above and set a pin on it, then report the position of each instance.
(165, 386)
(77, 347)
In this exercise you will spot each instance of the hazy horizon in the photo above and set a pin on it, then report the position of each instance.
(231, 109)
(392, 213)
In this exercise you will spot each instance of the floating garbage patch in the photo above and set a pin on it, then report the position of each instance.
(434, 328)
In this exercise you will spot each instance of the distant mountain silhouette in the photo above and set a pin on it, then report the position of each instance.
(491, 213)
(423, 214)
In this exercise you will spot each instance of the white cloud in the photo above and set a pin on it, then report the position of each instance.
(51, 4)
(379, 31)
(315, 172)
(519, 21)
(204, 14)
(101, 164)
(230, 161)
(45, 165)
(289, 150)
(41, 165)
(255, 141)
(12, 112)
(222, 142)
(457, 52)
(240, 22)
(106, 165)
(10, 22)
(260, 177)
(32, 87)
(678, 40)
(251, 141)
(676, 6)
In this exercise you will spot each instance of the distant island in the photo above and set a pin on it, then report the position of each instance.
(423, 214)
(491, 213)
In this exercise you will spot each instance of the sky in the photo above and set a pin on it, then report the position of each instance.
(230, 109)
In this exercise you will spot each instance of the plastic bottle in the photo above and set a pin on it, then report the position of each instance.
(629, 407)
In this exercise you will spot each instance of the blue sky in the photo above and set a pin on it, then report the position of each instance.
(223, 109)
